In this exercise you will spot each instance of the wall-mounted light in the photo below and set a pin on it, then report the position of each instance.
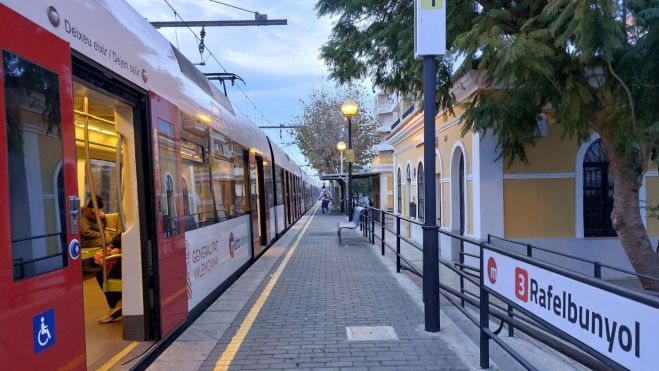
(204, 118)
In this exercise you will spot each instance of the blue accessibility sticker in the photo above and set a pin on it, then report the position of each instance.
(43, 330)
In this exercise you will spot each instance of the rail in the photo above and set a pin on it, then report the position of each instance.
(501, 309)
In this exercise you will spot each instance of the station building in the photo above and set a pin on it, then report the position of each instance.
(559, 200)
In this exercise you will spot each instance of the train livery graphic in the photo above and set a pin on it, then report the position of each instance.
(111, 137)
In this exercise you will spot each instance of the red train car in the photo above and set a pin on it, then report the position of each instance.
(132, 191)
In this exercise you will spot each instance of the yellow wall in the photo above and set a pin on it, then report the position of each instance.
(550, 154)
(539, 208)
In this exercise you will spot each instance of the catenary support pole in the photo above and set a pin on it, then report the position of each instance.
(430, 244)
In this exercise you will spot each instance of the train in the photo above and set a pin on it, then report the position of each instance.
(103, 118)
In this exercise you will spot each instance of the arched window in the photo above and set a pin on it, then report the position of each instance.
(186, 198)
(169, 219)
(597, 192)
(408, 190)
(399, 190)
(421, 189)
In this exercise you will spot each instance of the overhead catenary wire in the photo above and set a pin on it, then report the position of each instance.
(211, 54)
(233, 6)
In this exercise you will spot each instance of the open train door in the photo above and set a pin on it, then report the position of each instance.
(41, 307)
(172, 272)
(257, 203)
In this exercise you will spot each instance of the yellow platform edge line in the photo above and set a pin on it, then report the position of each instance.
(118, 356)
(231, 350)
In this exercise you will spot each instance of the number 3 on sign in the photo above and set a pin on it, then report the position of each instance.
(431, 4)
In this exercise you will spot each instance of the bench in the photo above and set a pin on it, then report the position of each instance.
(352, 223)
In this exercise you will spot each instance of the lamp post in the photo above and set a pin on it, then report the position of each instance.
(341, 146)
(349, 109)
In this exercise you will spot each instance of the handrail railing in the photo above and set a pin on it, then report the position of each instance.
(597, 266)
(503, 311)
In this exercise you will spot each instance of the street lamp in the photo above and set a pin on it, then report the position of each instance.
(349, 109)
(341, 146)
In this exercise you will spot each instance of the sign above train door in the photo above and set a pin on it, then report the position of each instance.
(96, 37)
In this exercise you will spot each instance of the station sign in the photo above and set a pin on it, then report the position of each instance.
(429, 28)
(619, 328)
(350, 155)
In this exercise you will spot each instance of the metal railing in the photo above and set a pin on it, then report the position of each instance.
(500, 308)
(596, 265)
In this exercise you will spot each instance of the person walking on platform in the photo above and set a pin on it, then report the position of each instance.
(327, 198)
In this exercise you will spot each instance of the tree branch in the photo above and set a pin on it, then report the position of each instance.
(629, 93)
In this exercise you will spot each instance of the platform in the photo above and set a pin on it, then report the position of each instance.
(309, 303)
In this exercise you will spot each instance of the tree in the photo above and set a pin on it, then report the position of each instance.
(323, 126)
(595, 62)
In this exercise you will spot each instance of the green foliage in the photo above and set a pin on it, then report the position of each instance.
(323, 126)
(374, 39)
(575, 56)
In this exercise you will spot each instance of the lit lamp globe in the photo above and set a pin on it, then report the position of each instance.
(350, 108)
(341, 146)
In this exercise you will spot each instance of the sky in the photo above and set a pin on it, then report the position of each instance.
(280, 64)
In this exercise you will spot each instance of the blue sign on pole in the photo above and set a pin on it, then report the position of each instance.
(43, 330)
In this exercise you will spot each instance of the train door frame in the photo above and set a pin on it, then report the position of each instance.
(48, 301)
(265, 211)
(146, 326)
(256, 202)
(172, 299)
(287, 199)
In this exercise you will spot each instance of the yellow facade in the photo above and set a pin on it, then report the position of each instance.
(538, 201)
(409, 150)
(535, 208)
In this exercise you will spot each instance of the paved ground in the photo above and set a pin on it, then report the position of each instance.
(293, 309)
(323, 289)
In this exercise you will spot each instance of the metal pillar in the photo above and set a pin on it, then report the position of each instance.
(430, 229)
(350, 168)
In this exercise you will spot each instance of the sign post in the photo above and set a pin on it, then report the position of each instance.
(429, 43)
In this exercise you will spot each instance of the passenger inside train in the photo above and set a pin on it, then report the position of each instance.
(100, 121)
(95, 237)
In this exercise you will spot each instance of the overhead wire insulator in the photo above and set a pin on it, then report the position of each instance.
(202, 46)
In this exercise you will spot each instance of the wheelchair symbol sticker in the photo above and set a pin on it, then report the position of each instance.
(43, 330)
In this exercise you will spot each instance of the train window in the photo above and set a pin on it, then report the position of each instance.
(200, 210)
(279, 176)
(34, 157)
(168, 176)
(222, 163)
(104, 176)
(240, 191)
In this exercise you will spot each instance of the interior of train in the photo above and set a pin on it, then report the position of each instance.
(104, 130)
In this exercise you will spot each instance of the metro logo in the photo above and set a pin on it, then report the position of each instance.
(492, 270)
(522, 284)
